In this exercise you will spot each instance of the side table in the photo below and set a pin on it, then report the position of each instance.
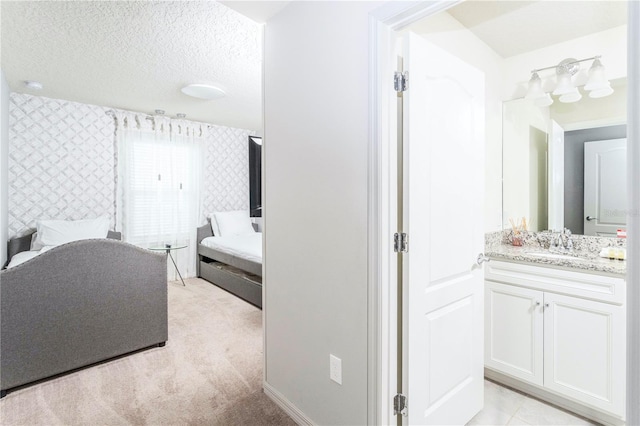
(167, 248)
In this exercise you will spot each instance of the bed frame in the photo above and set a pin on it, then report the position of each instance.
(239, 276)
(23, 243)
(76, 305)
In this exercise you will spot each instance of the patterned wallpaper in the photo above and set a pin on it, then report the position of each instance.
(226, 177)
(62, 163)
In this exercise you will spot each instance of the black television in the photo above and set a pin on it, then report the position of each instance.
(255, 176)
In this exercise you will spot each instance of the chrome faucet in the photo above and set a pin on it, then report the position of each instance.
(563, 243)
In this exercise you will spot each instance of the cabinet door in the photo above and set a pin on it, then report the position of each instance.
(513, 331)
(585, 351)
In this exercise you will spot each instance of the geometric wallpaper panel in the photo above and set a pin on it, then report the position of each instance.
(226, 176)
(62, 163)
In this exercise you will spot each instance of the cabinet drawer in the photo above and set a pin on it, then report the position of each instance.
(602, 288)
(240, 283)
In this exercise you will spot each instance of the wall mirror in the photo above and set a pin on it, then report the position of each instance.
(564, 161)
(564, 165)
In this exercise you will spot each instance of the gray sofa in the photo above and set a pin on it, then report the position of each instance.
(79, 304)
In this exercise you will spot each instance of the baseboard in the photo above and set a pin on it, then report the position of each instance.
(552, 398)
(298, 416)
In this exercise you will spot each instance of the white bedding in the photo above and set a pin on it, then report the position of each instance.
(26, 255)
(246, 246)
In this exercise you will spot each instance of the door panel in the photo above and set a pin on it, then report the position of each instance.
(443, 204)
(514, 331)
(605, 186)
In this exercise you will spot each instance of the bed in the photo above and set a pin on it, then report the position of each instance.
(78, 304)
(233, 263)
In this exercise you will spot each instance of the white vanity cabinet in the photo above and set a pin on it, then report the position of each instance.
(558, 333)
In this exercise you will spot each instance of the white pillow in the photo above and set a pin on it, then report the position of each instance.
(214, 225)
(56, 232)
(36, 244)
(233, 223)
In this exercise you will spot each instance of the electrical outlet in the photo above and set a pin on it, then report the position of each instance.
(335, 369)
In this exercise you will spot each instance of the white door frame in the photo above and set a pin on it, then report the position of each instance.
(382, 362)
(633, 215)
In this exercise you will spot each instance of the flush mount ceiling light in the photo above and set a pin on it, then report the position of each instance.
(203, 91)
(35, 85)
(598, 86)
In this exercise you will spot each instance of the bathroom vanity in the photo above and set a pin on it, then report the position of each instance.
(555, 328)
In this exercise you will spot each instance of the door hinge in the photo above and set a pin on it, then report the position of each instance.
(401, 81)
(400, 243)
(400, 405)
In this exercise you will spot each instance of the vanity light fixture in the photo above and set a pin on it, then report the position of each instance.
(598, 86)
(203, 91)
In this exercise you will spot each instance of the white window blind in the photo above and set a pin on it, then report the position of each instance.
(162, 191)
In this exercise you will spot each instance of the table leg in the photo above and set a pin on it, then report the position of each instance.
(176, 266)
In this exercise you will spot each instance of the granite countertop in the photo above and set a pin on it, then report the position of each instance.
(581, 260)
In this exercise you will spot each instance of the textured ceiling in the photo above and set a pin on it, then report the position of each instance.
(514, 27)
(137, 55)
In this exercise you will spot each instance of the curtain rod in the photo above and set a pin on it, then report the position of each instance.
(112, 113)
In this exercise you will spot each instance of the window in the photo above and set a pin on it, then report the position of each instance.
(162, 191)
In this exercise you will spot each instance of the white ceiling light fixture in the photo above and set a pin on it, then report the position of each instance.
(35, 85)
(597, 85)
(203, 91)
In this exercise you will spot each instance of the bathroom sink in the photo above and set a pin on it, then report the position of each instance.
(551, 255)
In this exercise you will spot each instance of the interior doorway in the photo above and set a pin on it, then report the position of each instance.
(389, 21)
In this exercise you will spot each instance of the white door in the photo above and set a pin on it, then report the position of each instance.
(443, 158)
(605, 187)
(584, 351)
(514, 331)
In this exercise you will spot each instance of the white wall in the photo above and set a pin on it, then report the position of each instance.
(445, 31)
(315, 171)
(4, 167)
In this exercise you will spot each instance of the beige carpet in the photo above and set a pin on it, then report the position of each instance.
(210, 372)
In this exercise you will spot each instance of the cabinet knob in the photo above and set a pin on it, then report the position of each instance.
(546, 305)
(537, 303)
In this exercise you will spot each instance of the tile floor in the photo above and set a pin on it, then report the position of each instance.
(504, 406)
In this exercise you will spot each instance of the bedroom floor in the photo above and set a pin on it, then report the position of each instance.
(210, 372)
